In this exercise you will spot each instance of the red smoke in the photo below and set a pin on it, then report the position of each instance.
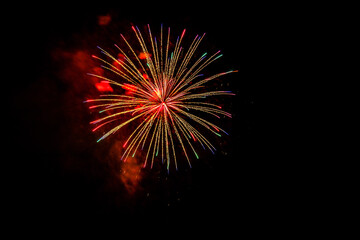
(104, 20)
(128, 171)
(131, 174)
(73, 68)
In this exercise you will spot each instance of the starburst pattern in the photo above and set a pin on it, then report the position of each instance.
(164, 100)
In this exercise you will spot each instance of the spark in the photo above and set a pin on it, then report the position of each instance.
(162, 93)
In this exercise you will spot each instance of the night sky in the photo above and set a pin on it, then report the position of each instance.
(62, 173)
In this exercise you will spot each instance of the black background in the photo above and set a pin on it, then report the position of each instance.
(58, 176)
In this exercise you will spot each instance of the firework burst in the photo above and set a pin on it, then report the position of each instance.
(164, 81)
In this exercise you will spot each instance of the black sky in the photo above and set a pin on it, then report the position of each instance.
(58, 173)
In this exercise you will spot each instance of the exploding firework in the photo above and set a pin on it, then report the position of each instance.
(162, 97)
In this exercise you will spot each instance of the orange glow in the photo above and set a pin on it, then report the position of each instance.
(144, 55)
